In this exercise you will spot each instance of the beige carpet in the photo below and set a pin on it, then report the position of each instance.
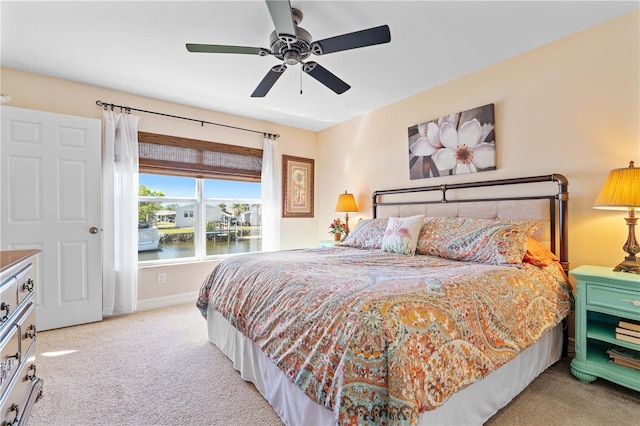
(157, 368)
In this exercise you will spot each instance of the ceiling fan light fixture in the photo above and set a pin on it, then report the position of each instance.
(291, 57)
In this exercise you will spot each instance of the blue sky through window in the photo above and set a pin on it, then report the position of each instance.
(177, 186)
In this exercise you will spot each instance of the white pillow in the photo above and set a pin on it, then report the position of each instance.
(401, 235)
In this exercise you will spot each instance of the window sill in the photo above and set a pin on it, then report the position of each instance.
(186, 261)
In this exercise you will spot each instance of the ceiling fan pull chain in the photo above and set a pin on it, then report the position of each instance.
(301, 79)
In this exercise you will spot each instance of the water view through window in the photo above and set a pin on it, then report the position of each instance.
(175, 224)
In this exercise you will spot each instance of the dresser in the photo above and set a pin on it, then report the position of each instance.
(20, 387)
(603, 299)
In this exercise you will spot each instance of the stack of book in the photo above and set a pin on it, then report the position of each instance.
(628, 331)
(624, 356)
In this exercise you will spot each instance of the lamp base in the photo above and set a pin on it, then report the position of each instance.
(346, 225)
(630, 265)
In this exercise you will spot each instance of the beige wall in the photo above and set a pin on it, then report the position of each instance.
(571, 107)
(44, 93)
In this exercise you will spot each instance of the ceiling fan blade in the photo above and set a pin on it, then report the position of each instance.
(216, 48)
(325, 77)
(268, 81)
(282, 18)
(362, 38)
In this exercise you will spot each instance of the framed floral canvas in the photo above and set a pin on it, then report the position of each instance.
(297, 186)
(455, 144)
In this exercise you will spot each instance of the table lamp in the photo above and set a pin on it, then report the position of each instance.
(346, 204)
(621, 191)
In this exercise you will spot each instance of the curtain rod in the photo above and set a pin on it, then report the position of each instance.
(202, 122)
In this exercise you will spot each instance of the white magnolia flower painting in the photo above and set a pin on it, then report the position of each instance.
(459, 143)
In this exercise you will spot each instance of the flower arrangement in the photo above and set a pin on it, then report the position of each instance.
(336, 227)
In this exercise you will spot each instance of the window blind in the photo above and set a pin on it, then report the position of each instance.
(177, 156)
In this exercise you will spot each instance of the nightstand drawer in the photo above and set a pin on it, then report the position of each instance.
(613, 299)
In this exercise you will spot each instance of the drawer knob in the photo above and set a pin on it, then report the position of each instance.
(16, 408)
(5, 307)
(30, 376)
(31, 332)
(28, 286)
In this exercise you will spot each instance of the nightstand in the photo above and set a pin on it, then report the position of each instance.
(329, 243)
(603, 298)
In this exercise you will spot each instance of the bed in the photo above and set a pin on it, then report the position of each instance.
(439, 309)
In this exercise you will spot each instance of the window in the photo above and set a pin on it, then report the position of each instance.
(197, 199)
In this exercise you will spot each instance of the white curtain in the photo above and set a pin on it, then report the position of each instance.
(120, 213)
(271, 196)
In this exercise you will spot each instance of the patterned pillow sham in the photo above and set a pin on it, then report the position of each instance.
(367, 234)
(401, 235)
(497, 242)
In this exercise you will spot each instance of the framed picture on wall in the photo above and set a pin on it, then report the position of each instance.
(464, 142)
(297, 186)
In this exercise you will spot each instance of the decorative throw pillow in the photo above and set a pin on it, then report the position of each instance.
(537, 254)
(497, 242)
(401, 235)
(367, 234)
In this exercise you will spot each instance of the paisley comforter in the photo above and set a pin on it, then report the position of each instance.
(379, 338)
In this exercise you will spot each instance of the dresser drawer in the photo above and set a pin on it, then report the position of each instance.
(8, 299)
(27, 327)
(25, 284)
(9, 356)
(15, 404)
(613, 299)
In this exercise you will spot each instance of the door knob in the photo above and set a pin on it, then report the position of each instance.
(93, 230)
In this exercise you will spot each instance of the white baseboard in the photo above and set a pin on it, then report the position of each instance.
(161, 302)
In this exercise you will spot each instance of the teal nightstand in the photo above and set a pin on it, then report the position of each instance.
(329, 243)
(603, 298)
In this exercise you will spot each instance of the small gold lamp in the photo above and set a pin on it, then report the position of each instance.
(621, 191)
(346, 204)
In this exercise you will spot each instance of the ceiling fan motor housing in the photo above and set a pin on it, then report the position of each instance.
(290, 50)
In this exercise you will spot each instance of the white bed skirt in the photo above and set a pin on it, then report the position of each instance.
(471, 406)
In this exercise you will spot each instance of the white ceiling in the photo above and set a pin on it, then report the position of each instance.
(139, 47)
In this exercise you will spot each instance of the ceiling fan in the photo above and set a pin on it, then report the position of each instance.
(293, 45)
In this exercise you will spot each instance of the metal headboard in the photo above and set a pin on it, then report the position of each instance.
(558, 201)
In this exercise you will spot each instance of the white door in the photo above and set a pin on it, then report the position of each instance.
(50, 187)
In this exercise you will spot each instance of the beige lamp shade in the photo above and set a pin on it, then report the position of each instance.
(346, 203)
(621, 190)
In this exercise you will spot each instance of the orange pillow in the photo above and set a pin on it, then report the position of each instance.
(537, 254)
